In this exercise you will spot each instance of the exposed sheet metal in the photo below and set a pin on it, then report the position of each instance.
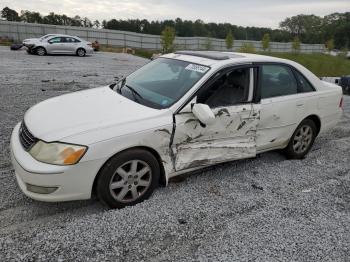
(231, 136)
(211, 152)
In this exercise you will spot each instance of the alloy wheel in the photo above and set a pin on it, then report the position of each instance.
(130, 181)
(81, 52)
(40, 51)
(302, 139)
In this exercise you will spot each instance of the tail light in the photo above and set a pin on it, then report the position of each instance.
(341, 103)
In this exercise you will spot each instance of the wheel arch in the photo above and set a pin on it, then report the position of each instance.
(162, 178)
(316, 119)
(80, 47)
(40, 46)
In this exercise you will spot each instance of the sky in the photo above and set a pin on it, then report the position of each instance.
(260, 13)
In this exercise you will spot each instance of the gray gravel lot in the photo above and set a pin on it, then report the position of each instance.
(263, 209)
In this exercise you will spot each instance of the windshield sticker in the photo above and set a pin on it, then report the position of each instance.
(197, 68)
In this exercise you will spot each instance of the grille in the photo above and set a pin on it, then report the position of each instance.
(26, 138)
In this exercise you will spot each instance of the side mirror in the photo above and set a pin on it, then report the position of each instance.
(188, 107)
(203, 113)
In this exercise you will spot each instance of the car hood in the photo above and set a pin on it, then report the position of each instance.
(31, 40)
(80, 112)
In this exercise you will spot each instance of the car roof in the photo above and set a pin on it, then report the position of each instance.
(62, 35)
(214, 55)
(217, 60)
(212, 58)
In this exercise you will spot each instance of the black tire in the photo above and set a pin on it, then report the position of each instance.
(41, 51)
(109, 175)
(81, 52)
(298, 149)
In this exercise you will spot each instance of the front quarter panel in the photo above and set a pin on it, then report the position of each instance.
(104, 143)
(157, 139)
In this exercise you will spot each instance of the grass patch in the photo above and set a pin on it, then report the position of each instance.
(138, 52)
(145, 53)
(319, 64)
(105, 48)
(6, 42)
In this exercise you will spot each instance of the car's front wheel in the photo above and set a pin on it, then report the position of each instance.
(81, 52)
(301, 140)
(40, 51)
(128, 178)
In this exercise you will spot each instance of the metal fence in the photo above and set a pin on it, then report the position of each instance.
(19, 31)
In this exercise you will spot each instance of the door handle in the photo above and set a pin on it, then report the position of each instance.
(276, 117)
(300, 104)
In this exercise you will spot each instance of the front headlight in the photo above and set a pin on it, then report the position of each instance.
(57, 153)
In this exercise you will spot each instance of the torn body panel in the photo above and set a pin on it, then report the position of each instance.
(231, 136)
(161, 141)
(208, 153)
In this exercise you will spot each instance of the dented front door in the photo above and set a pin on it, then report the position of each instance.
(231, 136)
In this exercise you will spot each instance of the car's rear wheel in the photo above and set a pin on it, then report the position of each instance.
(40, 51)
(81, 52)
(301, 140)
(128, 178)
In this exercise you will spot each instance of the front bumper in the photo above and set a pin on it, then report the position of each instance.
(89, 50)
(72, 182)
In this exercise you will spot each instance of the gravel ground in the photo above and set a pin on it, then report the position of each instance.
(264, 209)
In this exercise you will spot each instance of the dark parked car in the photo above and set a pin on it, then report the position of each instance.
(345, 84)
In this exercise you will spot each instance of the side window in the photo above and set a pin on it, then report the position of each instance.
(277, 80)
(231, 88)
(55, 40)
(72, 40)
(304, 84)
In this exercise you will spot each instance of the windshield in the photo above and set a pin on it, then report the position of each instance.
(45, 36)
(161, 83)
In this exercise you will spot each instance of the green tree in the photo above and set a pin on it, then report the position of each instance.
(330, 44)
(97, 24)
(229, 40)
(266, 42)
(296, 45)
(9, 14)
(30, 17)
(87, 22)
(302, 24)
(247, 48)
(167, 39)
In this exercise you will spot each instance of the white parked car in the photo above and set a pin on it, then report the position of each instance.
(58, 44)
(180, 112)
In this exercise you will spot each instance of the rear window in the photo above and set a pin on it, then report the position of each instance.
(304, 84)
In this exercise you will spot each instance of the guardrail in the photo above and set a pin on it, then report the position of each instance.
(19, 31)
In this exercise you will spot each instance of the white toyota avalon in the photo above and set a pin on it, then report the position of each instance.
(181, 112)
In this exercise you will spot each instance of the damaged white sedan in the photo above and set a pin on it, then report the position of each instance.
(180, 112)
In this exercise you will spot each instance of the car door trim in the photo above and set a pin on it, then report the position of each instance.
(214, 76)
